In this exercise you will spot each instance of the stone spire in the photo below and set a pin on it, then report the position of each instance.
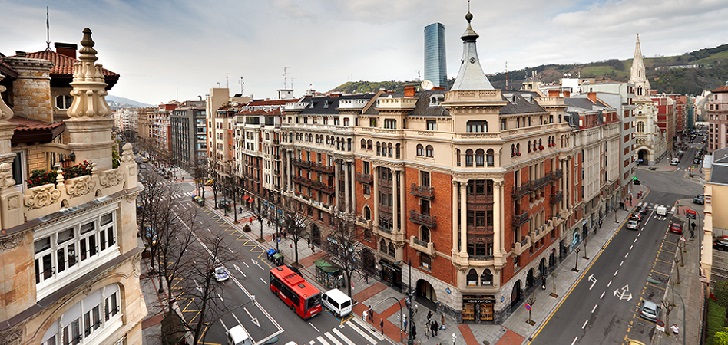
(89, 88)
(89, 124)
(470, 76)
(637, 72)
(5, 112)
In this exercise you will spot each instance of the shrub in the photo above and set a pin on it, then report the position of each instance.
(715, 321)
(80, 169)
(39, 177)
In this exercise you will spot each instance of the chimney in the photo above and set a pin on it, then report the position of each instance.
(592, 96)
(567, 93)
(20, 53)
(409, 91)
(67, 49)
(553, 93)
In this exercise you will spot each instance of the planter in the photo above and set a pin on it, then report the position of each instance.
(540, 147)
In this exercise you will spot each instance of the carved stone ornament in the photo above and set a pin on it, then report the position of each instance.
(5, 112)
(127, 153)
(10, 241)
(11, 336)
(39, 197)
(79, 186)
(110, 178)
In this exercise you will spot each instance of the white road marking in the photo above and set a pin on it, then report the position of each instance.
(602, 296)
(595, 308)
(620, 264)
(593, 280)
(635, 240)
(331, 337)
(231, 251)
(615, 272)
(263, 281)
(584, 326)
(342, 336)
(322, 341)
(364, 325)
(239, 270)
(244, 263)
(252, 319)
(317, 330)
(574, 342)
(609, 284)
(223, 326)
(630, 248)
(362, 333)
(220, 297)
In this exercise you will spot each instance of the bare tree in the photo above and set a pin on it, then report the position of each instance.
(295, 225)
(344, 246)
(151, 204)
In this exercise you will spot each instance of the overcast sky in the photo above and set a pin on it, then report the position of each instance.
(167, 50)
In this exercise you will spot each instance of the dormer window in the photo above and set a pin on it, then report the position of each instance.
(326, 104)
(63, 102)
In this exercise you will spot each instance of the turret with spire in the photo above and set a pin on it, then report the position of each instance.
(637, 74)
(90, 123)
(470, 76)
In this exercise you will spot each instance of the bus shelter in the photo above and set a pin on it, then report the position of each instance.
(328, 274)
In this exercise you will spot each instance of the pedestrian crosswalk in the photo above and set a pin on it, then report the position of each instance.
(179, 195)
(353, 328)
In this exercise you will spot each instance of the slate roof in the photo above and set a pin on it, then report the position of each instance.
(517, 104)
(579, 102)
(328, 105)
(423, 108)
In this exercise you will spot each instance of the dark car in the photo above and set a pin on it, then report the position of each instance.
(721, 244)
(696, 160)
(699, 199)
(637, 182)
(636, 216)
(676, 228)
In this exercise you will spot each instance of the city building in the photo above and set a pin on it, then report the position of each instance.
(435, 64)
(68, 247)
(666, 124)
(717, 117)
(145, 118)
(161, 132)
(188, 129)
(714, 224)
(650, 141)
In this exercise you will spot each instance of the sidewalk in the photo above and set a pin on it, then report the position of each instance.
(151, 328)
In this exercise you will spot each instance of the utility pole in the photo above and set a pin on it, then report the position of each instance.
(576, 260)
(410, 337)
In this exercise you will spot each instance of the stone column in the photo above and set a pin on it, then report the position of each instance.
(402, 192)
(497, 245)
(395, 202)
(463, 220)
(347, 186)
(454, 217)
(337, 172)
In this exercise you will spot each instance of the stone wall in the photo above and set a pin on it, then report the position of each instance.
(32, 88)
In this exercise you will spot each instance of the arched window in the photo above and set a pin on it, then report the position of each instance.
(383, 246)
(457, 156)
(389, 148)
(479, 157)
(513, 150)
(369, 144)
(363, 144)
(518, 148)
(472, 278)
(348, 144)
(429, 151)
(420, 150)
(367, 213)
(486, 278)
(490, 157)
(346, 121)
(425, 234)
(640, 127)
(391, 249)
(396, 151)
(469, 158)
(379, 149)
(529, 146)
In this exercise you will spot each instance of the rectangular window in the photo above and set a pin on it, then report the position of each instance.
(373, 122)
(431, 125)
(390, 124)
(477, 126)
(424, 178)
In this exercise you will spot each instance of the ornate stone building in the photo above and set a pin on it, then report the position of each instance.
(717, 117)
(650, 142)
(68, 248)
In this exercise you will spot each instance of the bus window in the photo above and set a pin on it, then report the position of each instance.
(313, 301)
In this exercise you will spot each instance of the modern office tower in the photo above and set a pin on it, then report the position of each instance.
(435, 66)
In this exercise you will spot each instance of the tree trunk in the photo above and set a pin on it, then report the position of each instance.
(348, 281)
(295, 246)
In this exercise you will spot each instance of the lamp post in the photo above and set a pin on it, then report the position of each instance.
(410, 337)
(576, 260)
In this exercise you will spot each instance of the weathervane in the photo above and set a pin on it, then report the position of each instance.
(48, 31)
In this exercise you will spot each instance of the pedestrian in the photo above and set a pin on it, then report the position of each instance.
(429, 315)
(381, 324)
(414, 331)
(416, 308)
(366, 277)
(371, 313)
(404, 322)
(365, 315)
(433, 329)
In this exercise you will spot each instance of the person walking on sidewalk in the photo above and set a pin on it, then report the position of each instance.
(371, 313)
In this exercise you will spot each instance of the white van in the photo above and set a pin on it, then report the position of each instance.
(238, 336)
(338, 302)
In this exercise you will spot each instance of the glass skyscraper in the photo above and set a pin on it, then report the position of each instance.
(435, 66)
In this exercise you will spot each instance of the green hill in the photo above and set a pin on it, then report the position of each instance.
(689, 73)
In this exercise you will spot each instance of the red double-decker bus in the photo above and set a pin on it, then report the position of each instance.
(296, 292)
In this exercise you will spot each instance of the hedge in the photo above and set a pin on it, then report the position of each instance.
(716, 320)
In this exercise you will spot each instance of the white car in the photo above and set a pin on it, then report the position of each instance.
(222, 274)
(632, 224)
(675, 161)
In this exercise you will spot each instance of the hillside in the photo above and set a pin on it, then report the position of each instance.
(689, 73)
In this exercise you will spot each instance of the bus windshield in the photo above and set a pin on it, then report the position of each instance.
(313, 301)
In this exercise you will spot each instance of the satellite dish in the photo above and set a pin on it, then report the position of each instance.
(427, 85)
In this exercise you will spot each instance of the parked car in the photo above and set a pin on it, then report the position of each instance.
(699, 199)
(221, 274)
(636, 217)
(632, 225)
(636, 182)
(676, 228)
(675, 161)
(720, 244)
(696, 160)
(649, 311)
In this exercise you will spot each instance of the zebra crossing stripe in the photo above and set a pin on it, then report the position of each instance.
(342, 336)
(366, 326)
(333, 340)
(322, 341)
(362, 333)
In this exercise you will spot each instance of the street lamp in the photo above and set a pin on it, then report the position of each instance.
(410, 336)
(576, 260)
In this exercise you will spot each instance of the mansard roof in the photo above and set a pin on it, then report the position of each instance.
(520, 102)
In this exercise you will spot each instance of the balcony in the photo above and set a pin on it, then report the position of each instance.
(423, 219)
(422, 246)
(480, 257)
(520, 219)
(524, 189)
(556, 198)
(424, 192)
(385, 183)
(364, 178)
(302, 180)
(540, 183)
(323, 168)
(301, 162)
(521, 246)
(479, 199)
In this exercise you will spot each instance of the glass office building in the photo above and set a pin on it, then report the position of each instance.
(435, 66)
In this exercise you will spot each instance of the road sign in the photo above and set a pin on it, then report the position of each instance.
(528, 306)
(623, 293)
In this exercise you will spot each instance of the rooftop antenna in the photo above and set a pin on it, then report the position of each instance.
(285, 77)
(242, 83)
(468, 6)
(48, 31)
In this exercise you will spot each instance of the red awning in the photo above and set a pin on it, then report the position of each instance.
(246, 197)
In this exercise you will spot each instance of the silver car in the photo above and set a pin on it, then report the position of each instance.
(649, 311)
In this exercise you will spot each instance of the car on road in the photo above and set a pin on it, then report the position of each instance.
(676, 228)
(649, 311)
(696, 160)
(636, 216)
(338, 302)
(699, 199)
(238, 336)
(632, 225)
(675, 161)
(221, 274)
(721, 244)
(636, 182)
(644, 210)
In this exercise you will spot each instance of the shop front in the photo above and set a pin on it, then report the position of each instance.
(478, 308)
(391, 273)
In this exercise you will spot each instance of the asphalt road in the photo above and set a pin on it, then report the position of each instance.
(599, 308)
(265, 316)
